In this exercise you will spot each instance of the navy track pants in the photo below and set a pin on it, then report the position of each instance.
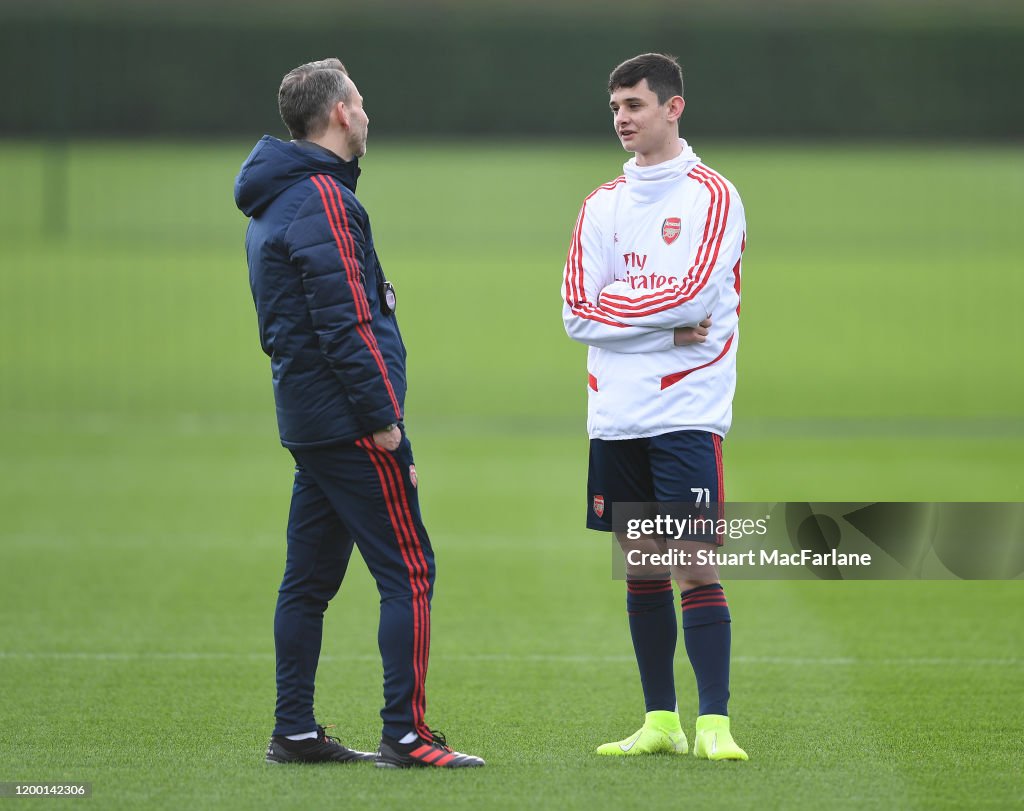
(364, 495)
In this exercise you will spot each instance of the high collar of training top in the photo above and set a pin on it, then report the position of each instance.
(647, 184)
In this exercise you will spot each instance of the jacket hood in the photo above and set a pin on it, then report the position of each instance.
(275, 165)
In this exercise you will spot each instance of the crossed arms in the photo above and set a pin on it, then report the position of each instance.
(600, 311)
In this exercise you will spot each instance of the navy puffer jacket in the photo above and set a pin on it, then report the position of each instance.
(338, 361)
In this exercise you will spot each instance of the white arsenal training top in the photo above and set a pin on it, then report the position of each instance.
(657, 248)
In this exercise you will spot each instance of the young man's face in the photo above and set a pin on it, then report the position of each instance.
(643, 125)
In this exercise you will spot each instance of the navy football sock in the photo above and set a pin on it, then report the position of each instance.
(652, 624)
(707, 634)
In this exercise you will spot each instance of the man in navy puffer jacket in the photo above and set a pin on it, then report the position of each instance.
(326, 319)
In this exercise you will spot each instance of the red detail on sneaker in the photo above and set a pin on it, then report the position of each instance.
(419, 752)
(430, 758)
(446, 759)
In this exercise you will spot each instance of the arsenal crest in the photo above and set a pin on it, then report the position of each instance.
(599, 506)
(670, 229)
(412, 476)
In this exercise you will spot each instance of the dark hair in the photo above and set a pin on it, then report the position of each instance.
(662, 72)
(308, 93)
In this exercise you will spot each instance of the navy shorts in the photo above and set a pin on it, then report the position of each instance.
(664, 469)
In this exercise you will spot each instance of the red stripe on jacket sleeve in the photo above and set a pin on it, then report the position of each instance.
(575, 292)
(337, 217)
(704, 262)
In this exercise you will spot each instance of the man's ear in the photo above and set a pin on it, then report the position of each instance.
(340, 113)
(676, 104)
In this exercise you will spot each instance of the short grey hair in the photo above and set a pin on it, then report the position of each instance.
(308, 93)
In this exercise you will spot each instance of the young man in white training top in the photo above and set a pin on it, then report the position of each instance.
(652, 286)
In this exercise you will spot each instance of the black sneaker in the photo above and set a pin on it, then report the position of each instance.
(421, 752)
(321, 749)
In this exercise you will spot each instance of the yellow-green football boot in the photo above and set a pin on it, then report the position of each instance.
(714, 741)
(661, 733)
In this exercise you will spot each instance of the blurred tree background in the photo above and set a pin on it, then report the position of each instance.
(793, 68)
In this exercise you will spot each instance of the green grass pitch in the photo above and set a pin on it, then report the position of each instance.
(144, 494)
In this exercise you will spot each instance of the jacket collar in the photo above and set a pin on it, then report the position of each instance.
(346, 171)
